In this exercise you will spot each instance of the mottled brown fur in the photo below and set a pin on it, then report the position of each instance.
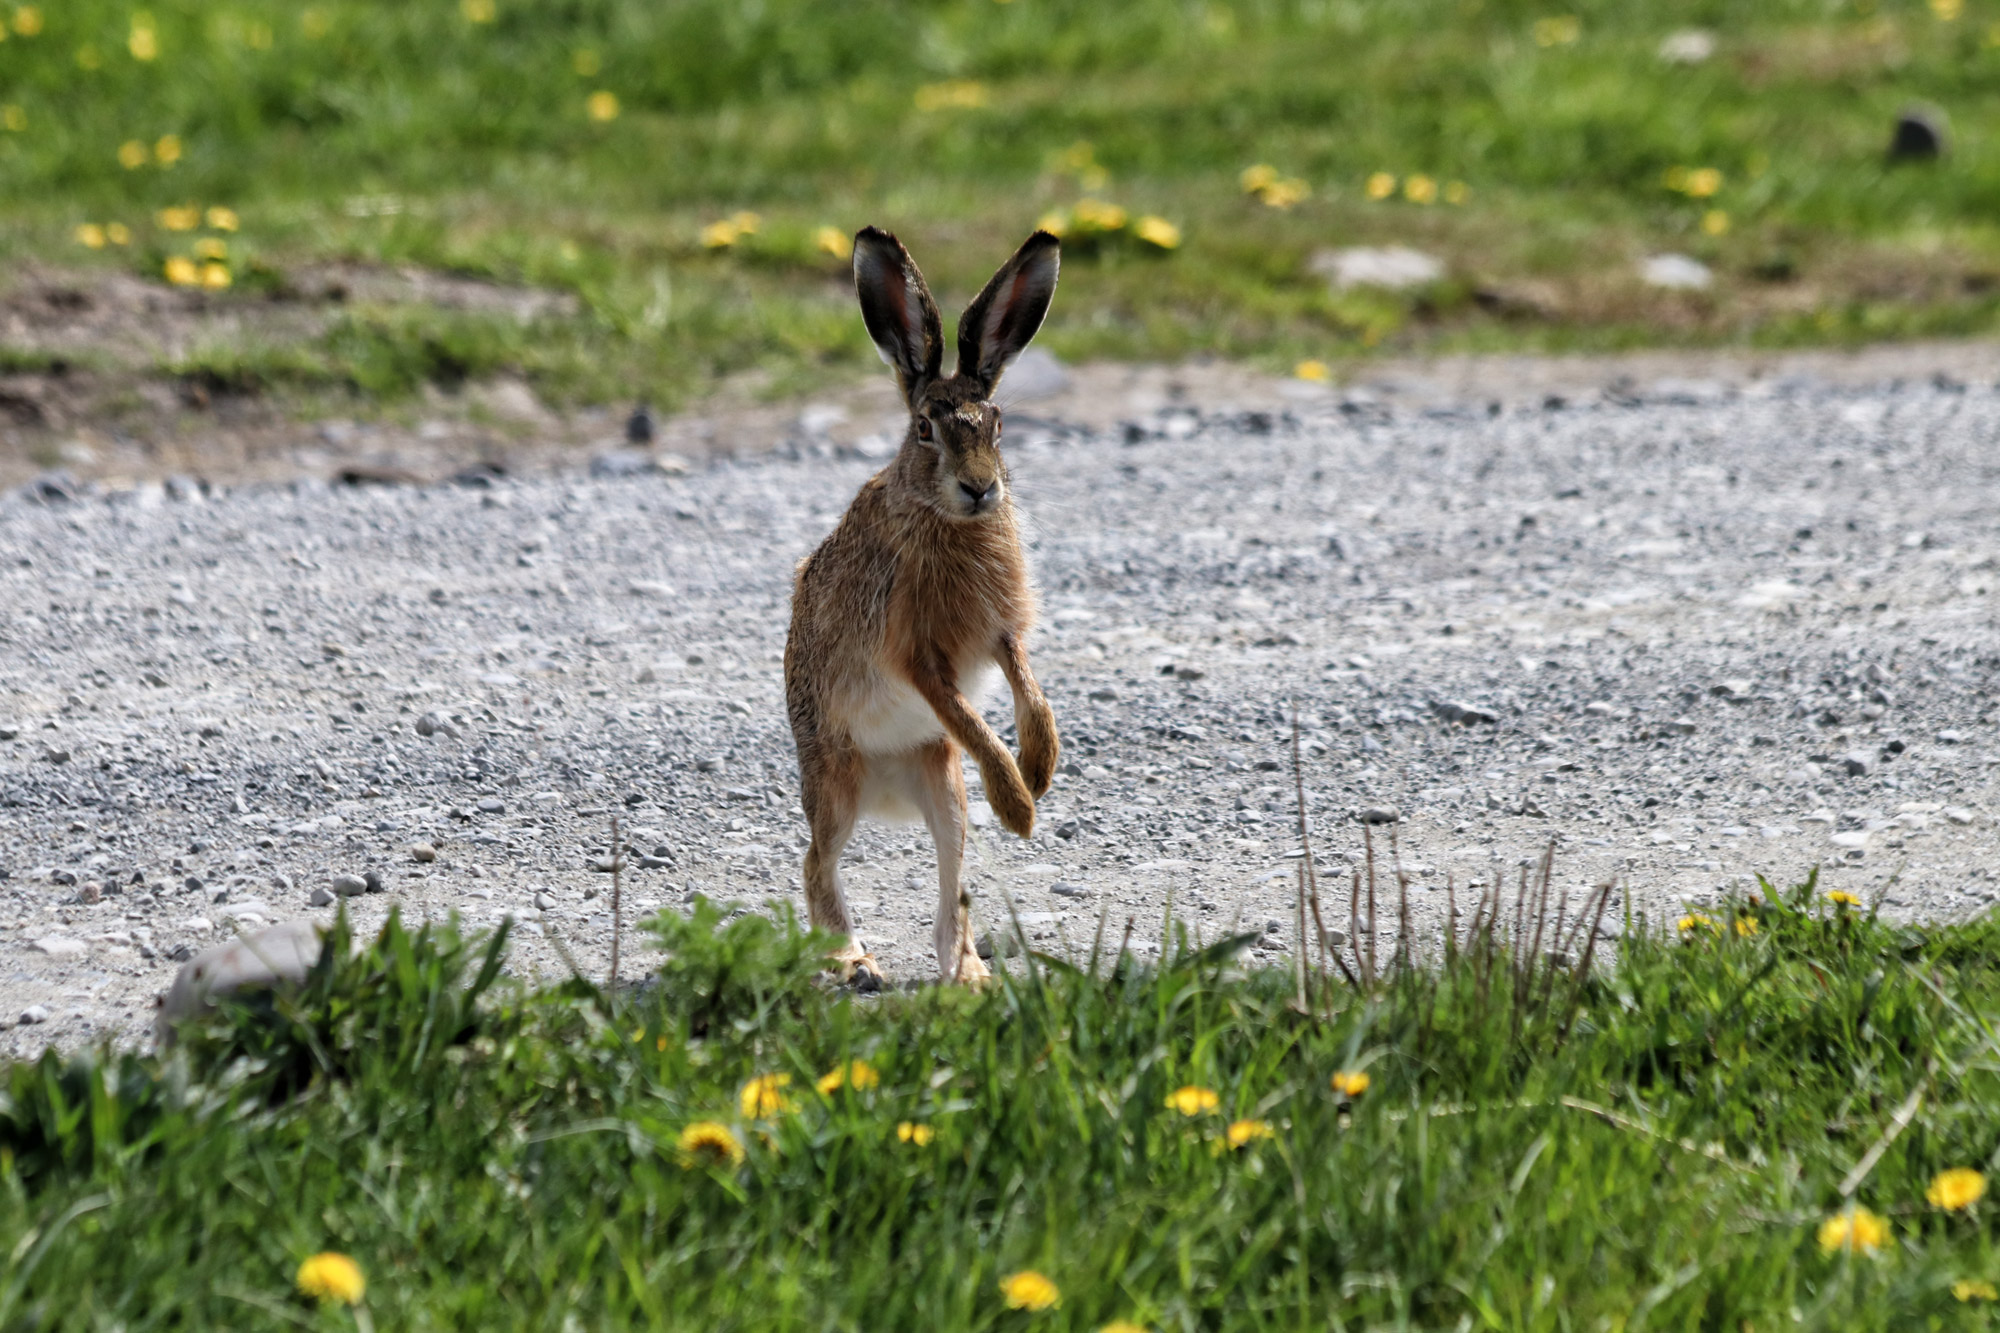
(921, 585)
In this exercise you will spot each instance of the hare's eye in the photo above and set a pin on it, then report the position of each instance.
(924, 431)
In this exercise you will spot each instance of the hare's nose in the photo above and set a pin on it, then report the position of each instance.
(977, 493)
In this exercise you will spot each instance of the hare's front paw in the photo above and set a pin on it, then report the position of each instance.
(1008, 796)
(1038, 768)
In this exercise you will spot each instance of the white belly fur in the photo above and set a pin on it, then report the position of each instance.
(892, 719)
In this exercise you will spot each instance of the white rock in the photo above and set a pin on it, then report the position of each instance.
(61, 946)
(280, 954)
(1392, 267)
(1688, 46)
(1675, 273)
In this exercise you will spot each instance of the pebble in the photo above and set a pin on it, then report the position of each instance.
(349, 886)
(372, 881)
(544, 902)
(321, 897)
(423, 852)
(492, 805)
(61, 946)
(1379, 814)
(1857, 764)
(1104, 694)
(1069, 890)
(33, 1014)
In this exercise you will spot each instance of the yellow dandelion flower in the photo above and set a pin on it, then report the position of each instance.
(1122, 1326)
(1855, 1231)
(144, 40)
(1257, 179)
(1747, 925)
(90, 236)
(1157, 232)
(332, 1279)
(833, 241)
(181, 271)
(1842, 898)
(719, 235)
(1315, 372)
(1381, 185)
(1285, 192)
(709, 1143)
(13, 117)
(214, 276)
(856, 1074)
(118, 233)
(1096, 215)
(27, 20)
(1715, 222)
(222, 219)
(1562, 31)
(132, 155)
(186, 218)
(951, 94)
(1974, 1289)
(1192, 1100)
(765, 1096)
(1351, 1082)
(477, 11)
(1420, 190)
(1947, 11)
(586, 62)
(909, 1131)
(603, 105)
(1702, 182)
(1457, 192)
(1029, 1290)
(1958, 1188)
(211, 247)
(1695, 921)
(1055, 223)
(168, 150)
(1243, 1132)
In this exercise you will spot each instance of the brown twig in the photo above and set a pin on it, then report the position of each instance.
(617, 915)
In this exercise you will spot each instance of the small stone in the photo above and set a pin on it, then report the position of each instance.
(349, 886)
(1104, 694)
(33, 1014)
(90, 892)
(1185, 733)
(372, 880)
(423, 852)
(1470, 714)
(1951, 737)
(181, 952)
(1675, 273)
(543, 902)
(1335, 938)
(1682, 726)
(55, 756)
(1069, 890)
(1958, 814)
(62, 877)
(604, 865)
(1185, 672)
(654, 862)
(1379, 814)
(321, 897)
(1856, 764)
(430, 724)
(492, 805)
(1006, 944)
(61, 946)
(278, 955)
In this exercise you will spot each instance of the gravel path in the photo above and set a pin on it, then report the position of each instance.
(1691, 639)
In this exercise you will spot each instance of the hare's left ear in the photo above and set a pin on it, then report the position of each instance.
(1002, 319)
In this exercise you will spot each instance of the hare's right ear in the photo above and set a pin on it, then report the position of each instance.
(897, 307)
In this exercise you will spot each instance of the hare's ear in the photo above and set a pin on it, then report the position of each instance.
(897, 307)
(1001, 319)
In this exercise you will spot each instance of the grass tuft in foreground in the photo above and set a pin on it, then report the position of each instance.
(1779, 1114)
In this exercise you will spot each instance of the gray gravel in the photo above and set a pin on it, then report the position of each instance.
(1691, 638)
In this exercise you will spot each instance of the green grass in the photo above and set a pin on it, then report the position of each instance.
(1654, 1145)
(432, 134)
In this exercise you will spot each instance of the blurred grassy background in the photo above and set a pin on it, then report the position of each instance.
(602, 147)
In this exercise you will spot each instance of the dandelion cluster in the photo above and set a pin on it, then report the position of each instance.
(1853, 1231)
(908, 1131)
(856, 1074)
(1418, 188)
(725, 232)
(332, 1279)
(1974, 1289)
(1029, 1290)
(1312, 371)
(1274, 190)
(1090, 221)
(764, 1096)
(1350, 1082)
(1192, 1101)
(709, 1143)
(1241, 1133)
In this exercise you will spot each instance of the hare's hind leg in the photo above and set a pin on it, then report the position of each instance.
(831, 793)
(941, 798)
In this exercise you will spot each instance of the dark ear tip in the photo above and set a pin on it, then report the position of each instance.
(1043, 240)
(874, 235)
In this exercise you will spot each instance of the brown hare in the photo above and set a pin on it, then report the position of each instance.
(902, 613)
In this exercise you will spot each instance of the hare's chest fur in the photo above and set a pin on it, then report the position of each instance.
(889, 717)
